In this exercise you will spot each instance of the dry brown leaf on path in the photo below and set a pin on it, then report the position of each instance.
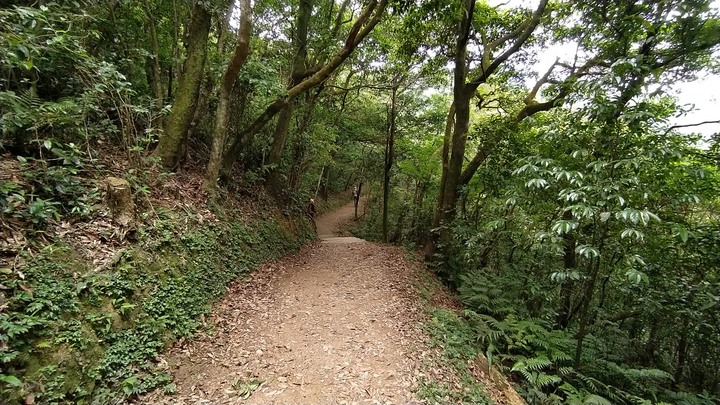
(340, 321)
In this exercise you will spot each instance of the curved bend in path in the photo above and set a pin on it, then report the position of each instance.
(337, 322)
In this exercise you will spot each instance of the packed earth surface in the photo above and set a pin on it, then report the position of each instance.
(337, 322)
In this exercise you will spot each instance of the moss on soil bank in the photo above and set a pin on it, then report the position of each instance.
(73, 335)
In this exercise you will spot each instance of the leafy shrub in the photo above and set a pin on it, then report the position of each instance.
(50, 187)
(70, 335)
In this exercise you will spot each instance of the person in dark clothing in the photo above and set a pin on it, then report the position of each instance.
(312, 211)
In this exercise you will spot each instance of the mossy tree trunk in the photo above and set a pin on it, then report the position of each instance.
(183, 106)
(389, 158)
(156, 71)
(564, 313)
(208, 87)
(240, 55)
(437, 217)
(299, 64)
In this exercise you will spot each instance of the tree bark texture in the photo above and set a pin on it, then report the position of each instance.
(389, 157)
(157, 73)
(461, 101)
(227, 82)
(188, 89)
(299, 63)
(431, 240)
(569, 263)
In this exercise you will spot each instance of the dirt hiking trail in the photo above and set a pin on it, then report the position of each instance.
(338, 322)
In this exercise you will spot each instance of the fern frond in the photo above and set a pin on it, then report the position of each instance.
(565, 370)
(594, 399)
(558, 356)
(545, 380)
(645, 374)
(538, 363)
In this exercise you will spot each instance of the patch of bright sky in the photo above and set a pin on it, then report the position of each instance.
(700, 93)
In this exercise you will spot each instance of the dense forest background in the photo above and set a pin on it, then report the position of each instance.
(577, 223)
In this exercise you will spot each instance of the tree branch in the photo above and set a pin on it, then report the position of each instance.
(533, 107)
(361, 86)
(543, 80)
(521, 37)
(242, 46)
(690, 125)
(369, 18)
(339, 19)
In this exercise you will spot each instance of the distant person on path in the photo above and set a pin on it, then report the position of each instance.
(356, 197)
(312, 211)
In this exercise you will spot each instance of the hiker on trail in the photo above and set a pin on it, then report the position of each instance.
(311, 209)
(356, 197)
(356, 193)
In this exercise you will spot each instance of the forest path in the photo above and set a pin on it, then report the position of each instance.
(337, 322)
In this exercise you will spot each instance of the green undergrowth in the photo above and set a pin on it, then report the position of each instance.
(73, 335)
(456, 341)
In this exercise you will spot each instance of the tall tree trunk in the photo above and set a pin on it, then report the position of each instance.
(299, 63)
(461, 100)
(170, 83)
(463, 92)
(389, 157)
(227, 82)
(682, 354)
(357, 199)
(188, 88)
(282, 129)
(320, 178)
(176, 66)
(326, 184)
(569, 262)
(418, 201)
(431, 240)
(583, 312)
(201, 106)
(298, 167)
(223, 27)
(208, 88)
(157, 73)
